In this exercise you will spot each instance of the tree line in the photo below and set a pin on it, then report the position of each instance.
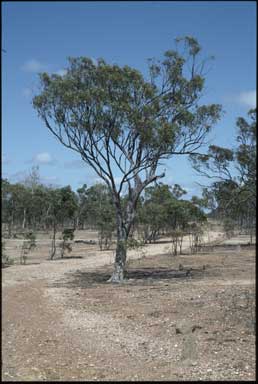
(31, 206)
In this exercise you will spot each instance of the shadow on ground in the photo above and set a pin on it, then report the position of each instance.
(139, 276)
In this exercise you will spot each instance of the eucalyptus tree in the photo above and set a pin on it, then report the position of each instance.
(123, 124)
(246, 156)
(152, 213)
(7, 205)
(82, 210)
(98, 211)
(233, 193)
(15, 204)
(63, 206)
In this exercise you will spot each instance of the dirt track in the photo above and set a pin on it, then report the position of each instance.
(61, 321)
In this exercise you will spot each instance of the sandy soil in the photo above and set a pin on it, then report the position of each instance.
(189, 317)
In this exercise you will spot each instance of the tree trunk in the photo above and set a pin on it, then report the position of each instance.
(9, 228)
(24, 218)
(120, 259)
(53, 250)
(251, 234)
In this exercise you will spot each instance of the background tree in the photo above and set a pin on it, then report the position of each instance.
(100, 213)
(62, 207)
(7, 205)
(232, 195)
(28, 245)
(67, 237)
(153, 214)
(15, 205)
(82, 211)
(184, 218)
(32, 181)
(124, 125)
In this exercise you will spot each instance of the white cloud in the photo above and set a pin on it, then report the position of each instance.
(43, 158)
(61, 72)
(248, 98)
(33, 66)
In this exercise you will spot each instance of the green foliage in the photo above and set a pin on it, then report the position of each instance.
(152, 214)
(134, 244)
(68, 234)
(232, 197)
(137, 246)
(100, 208)
(163, 211)
(96, 209)
(104, 111)
(63, 203)
(62, 207)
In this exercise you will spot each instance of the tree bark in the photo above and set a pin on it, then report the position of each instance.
(24, 218)
(53, 250)
(120, 259)
(9, 228)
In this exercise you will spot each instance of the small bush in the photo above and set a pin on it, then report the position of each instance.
(29, 244)
(67, 237)
(6, 260)
(105, 238)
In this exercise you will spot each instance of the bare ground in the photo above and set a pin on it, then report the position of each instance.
(189, 317)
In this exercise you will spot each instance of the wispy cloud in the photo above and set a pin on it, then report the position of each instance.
(33, 66)
(43, 158)
(246, 98)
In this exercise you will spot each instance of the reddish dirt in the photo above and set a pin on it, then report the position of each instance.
(189, 317)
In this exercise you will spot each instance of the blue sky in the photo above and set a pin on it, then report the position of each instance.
(39, 36)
